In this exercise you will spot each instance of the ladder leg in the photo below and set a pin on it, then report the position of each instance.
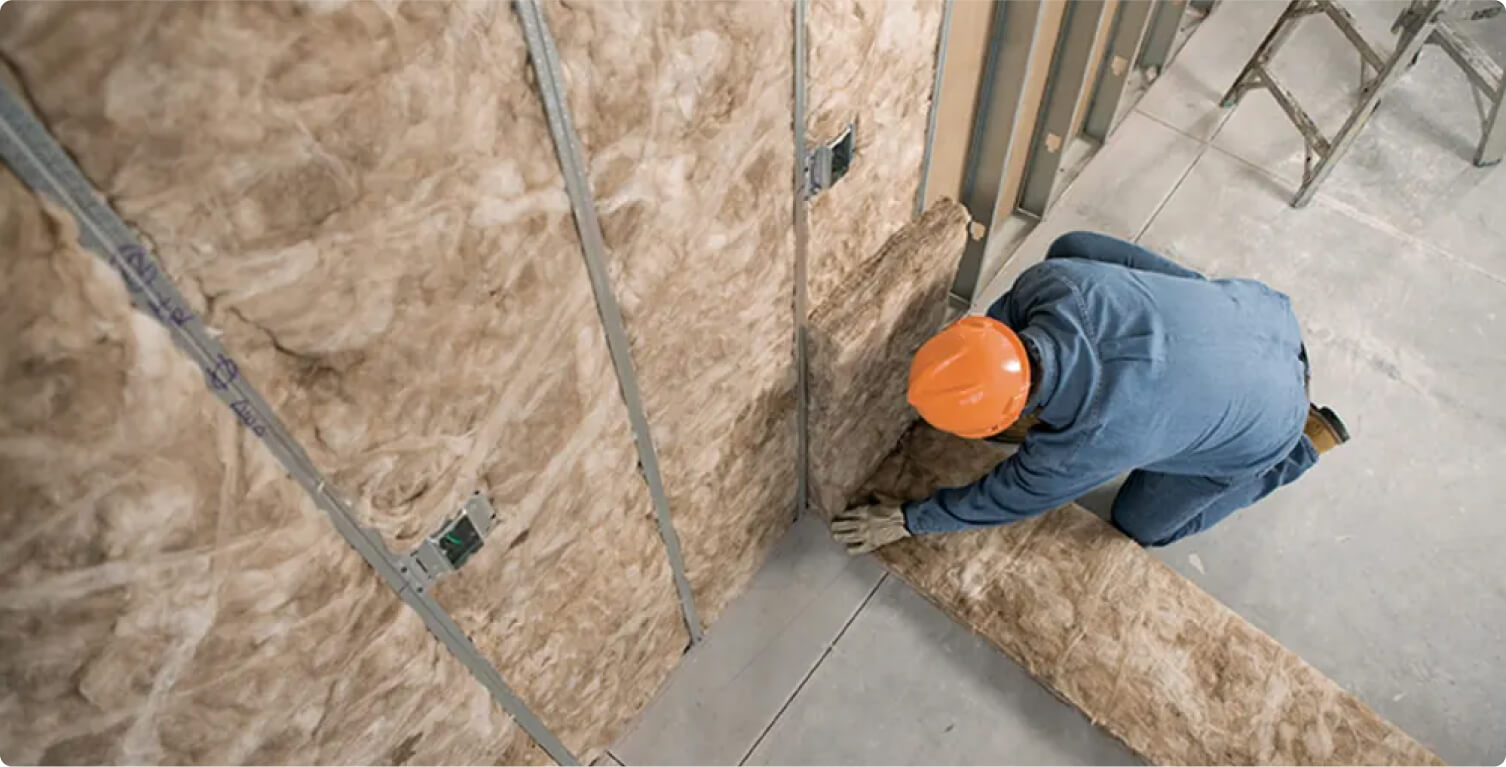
(1411, 41)
(1493, 144)
(1273, 40)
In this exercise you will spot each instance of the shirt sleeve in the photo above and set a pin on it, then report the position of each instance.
(1044, 474)
(1112, 250)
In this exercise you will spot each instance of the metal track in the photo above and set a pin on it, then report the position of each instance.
(551, 83)
(38, 160)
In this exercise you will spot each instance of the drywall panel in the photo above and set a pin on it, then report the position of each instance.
(1047, 32)
(1095, 60)
(861, 342)
(167, 593)
(957, 104)
(872, 62)
(684, 113)
(365, 201)
(1145, 653)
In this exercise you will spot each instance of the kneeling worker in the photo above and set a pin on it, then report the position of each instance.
(1107, 358)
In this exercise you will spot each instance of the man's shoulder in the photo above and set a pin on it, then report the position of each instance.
(1077, 273)
(1056, 272)
(1052, 281)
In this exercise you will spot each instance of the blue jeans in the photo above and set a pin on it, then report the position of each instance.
(1156, 509)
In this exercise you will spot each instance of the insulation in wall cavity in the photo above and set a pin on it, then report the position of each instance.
(167, 593)
(872, 62)
(861, 341)
(1142, 651)
(683, 111)
(364, 199)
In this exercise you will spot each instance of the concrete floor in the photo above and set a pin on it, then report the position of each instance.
(1382, 567)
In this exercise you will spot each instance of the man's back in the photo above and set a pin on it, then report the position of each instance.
(1164, 369)
(1195, 388)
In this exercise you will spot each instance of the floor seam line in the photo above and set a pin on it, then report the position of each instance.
(1203, 150)
(812, 672)
(1380, 225)
(1339, 206)
(1174, 129)
(1228, 114)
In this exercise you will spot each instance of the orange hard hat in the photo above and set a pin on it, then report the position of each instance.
(971, 379)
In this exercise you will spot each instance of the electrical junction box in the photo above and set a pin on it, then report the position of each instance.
(447, 549)
(829, 162)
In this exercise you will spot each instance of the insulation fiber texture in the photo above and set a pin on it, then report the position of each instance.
(167, 593)
(364, 200)
(1145, 653)
(861, 342)
(872, 62)
(683, 109)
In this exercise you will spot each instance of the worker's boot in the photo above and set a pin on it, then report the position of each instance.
(1015, 434)
(1324, 429)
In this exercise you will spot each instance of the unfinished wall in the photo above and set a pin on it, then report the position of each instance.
(364, 199)
(684, 113)
(167, 594)
(873, 62)
(1142, 651)
(366, 202)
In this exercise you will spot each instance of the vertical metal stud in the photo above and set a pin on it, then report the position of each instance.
(925, 163)
(551, 86)
(1015, 31)
(1164, 24)
(38, 160)
(802, 245)
(1069, 74)
(1130, 22)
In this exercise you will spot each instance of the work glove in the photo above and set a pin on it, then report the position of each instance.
(879, 521)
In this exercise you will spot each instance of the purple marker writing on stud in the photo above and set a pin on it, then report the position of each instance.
(243, 411)
(220, 376)
(135, 259)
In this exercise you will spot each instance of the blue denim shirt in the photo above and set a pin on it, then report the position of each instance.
(1138, 363)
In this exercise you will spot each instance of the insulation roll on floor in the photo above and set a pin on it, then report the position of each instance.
(1142, 651)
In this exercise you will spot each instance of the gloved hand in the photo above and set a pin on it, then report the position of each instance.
(867, 526)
